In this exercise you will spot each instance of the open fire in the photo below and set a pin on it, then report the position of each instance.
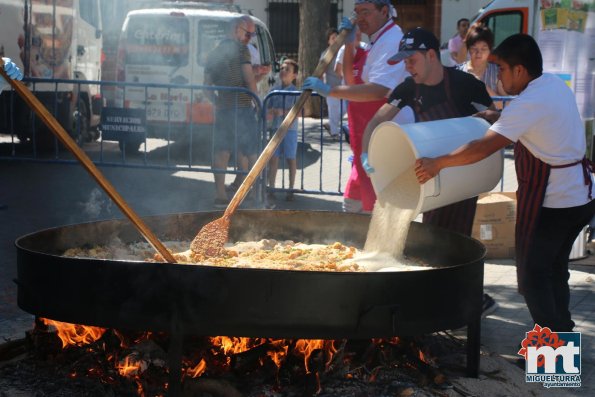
(137, 364)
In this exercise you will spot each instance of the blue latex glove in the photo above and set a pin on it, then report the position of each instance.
(12, 70)
(348, 26)
(315, 84)
(367, 167)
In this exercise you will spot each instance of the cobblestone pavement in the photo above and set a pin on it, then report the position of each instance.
(42, 195)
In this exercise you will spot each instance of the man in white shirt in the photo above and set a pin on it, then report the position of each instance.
(554, 198)
(374, 79)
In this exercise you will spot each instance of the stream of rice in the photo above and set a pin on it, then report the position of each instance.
(393, 213)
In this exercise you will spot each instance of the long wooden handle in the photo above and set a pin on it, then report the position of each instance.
(86, 162)
(270, 148)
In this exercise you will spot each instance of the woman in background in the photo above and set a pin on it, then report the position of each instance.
(479, 42)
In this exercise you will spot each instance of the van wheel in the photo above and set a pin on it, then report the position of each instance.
(130, 146)
(81, 124)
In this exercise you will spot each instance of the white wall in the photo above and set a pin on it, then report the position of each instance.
(452, 11)
(256, 7)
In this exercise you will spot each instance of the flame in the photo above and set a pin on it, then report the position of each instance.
(231, 346)
(279, 347)
(197, 371)
(75, 334)
(306, 347)
(278, 355)
(131, 366)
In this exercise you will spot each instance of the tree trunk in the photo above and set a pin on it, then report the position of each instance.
(314, 21)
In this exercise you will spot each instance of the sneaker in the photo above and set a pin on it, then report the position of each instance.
(489, 306)
(221, 203)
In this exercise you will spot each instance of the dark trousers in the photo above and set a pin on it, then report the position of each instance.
(545, 276)
(457, 217)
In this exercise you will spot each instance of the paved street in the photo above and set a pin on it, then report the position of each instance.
(40, 195)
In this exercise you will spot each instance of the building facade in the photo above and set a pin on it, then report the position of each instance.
(439, 16)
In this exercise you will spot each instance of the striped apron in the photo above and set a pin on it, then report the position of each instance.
(457, 217)
(532, 176)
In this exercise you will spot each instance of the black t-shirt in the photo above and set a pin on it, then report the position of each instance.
(464, 87)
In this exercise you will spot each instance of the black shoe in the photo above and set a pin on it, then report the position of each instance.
(489, 306)
(221, 203)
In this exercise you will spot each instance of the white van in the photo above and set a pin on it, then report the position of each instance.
(54, 40)
(170, 46)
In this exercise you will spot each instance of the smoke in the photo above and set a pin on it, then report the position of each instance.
(97, 203)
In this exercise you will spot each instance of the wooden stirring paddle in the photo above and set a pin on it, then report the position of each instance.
(212, 237)
(86, 162)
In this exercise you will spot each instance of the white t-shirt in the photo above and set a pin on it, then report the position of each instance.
(455, 44)
(378, 71)
(254, 54)
(545, 119)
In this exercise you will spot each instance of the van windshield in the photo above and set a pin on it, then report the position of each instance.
(210, 34)
(157, 41)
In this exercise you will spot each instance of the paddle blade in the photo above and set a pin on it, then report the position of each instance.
(211, 238)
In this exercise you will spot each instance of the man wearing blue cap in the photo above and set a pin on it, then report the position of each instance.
(374, 78)
(435, 93)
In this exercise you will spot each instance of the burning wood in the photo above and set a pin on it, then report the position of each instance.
(74, 334)
(228, 366)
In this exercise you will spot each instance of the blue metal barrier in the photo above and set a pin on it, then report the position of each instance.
(170, 142)
(35, 144)
(320, 167)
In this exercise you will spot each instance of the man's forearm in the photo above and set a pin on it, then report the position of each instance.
(360, 92)
(474, 151)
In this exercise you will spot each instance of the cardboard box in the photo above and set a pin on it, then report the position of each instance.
(494, 223)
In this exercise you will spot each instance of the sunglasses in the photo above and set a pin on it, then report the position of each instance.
(248, 33)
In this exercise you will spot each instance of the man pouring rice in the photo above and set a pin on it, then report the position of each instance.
(555, 193)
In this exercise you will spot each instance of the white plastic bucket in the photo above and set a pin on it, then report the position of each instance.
(394, 149)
